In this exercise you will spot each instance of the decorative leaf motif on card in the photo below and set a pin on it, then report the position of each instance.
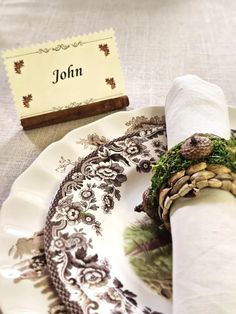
(73, 104)
(26, 100)
(18, 65)
(105, 49)
(111, 82)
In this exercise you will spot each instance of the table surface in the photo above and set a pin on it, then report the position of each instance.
(157, 40)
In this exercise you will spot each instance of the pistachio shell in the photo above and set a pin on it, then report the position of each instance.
(178, 184)
(167, 204)
(202, 184)
(176, 177)
(195, 168)
(214, 183)
(202, 175)
(218, 169)
(224, 176)
(162, 196)
(226, 185)
(165, 217)
(195, 191)
(233, 189)
(185, 189)
(174, 197)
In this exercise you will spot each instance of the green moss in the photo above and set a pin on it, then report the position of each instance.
(224, 153)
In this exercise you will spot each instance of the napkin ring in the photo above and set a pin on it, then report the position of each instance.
(202, 160)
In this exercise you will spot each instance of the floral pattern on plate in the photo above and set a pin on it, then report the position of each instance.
(83, 278)
(29, 251)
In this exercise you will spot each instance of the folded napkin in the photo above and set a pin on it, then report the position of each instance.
(203, 228)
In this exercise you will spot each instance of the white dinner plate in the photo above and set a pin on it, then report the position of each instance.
(24, 283)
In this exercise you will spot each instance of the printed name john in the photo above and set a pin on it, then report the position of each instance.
(71, 72)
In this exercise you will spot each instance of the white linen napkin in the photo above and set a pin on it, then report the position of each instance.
(203, 228)
(194, 105)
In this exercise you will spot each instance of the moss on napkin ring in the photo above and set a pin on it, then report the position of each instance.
(202, 160)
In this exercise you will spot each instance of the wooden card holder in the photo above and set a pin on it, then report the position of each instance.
(75, 113)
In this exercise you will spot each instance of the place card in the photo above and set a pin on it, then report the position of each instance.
(67, 79)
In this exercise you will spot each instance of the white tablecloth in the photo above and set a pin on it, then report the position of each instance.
(157, 39)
